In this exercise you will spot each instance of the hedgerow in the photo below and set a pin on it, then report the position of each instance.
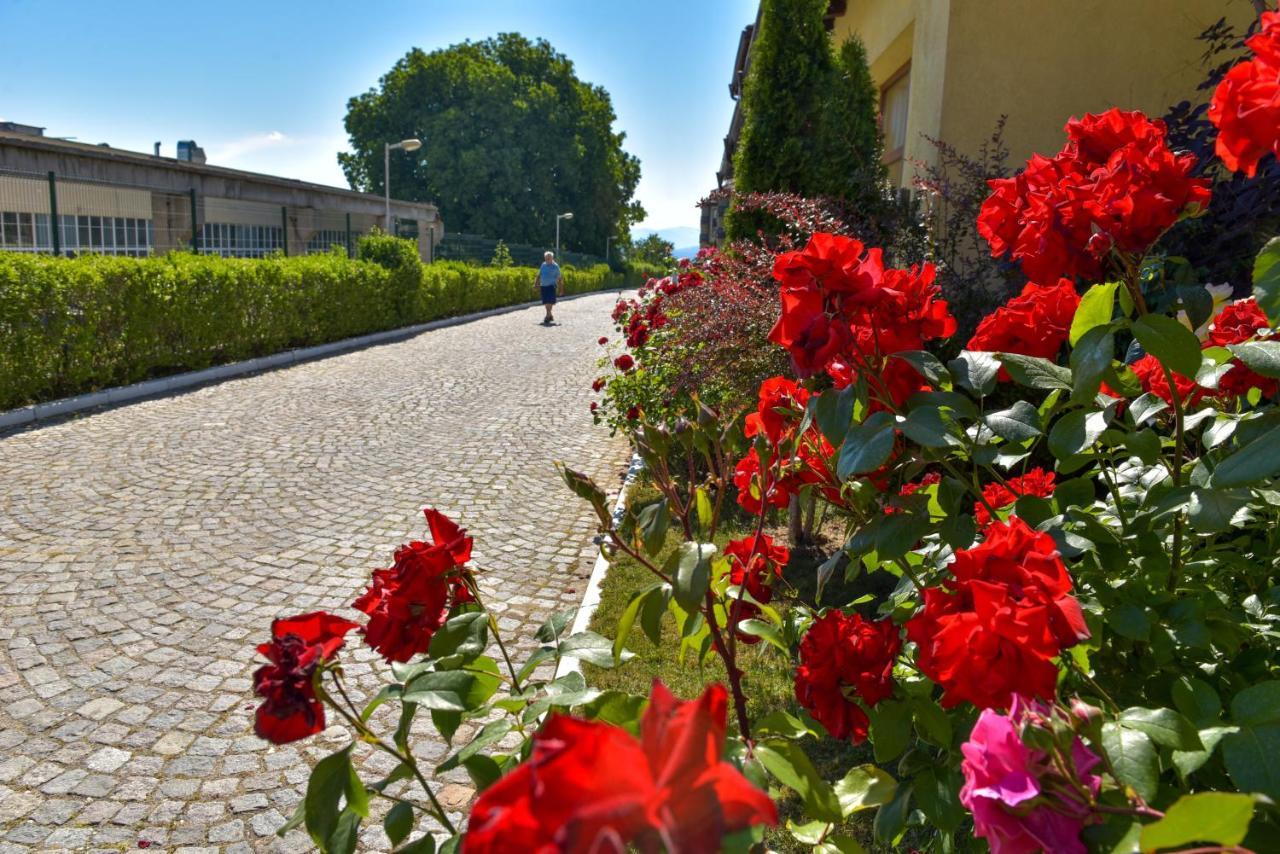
(72, 325)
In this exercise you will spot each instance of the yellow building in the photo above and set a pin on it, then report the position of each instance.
(948, 69)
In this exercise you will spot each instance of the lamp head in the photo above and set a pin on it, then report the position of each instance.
(568, 215)
(412, 144)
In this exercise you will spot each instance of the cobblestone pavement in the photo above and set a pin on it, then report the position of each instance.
(144, 551)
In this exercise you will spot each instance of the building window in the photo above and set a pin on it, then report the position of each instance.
(326, 238)
(894, 96)
(233, 240)
(26, 232)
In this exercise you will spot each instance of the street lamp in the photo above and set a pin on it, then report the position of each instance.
(568, 215)
(412, 144)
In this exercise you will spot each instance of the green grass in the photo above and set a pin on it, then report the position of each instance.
(767, 674)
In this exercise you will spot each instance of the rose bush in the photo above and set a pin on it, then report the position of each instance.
(1078, 652)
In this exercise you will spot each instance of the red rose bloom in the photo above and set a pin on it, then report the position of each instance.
(1239, 322)
(1151, 375)
(599, 383)
(603, 341)
(756, 487)
(624, 362)
(1037, 322)
(842, 655)
(1115, 184)
(290, 710)
(780, 409)
(408, 602)
(1036, 482)
(995, 628)
(1246, 105)
(753, 564)
(592, 787)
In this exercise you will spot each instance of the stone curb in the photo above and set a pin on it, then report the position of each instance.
(149, 388)
(591, 595)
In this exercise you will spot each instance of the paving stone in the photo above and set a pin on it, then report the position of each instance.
(144, 551)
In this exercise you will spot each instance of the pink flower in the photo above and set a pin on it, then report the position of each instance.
(1014, 791)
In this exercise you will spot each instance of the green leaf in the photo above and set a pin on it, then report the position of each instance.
(1018, 423)
(1090, 361)
(344, 837)
(1034, 372)
(398, 823)
(867, 446)
(1257, 705)
(1130, 621)
(1076, 432)
(1252, 756)
(833, 411)
(425, 845)
(864, 787)
(692, 577)
(555, 625)
(1214, 510)
(933, 724)
(1263, 357)
(1266, 280)
(766, 631)
(585, 488)
(785, 725)
(628, 619)
(1217, 817)
(702, 507)
(1169, 341)
(329, 781)
(466, 635)
(1196, 699)
(1189, 761)
(925, 426)
(454, 690)
(926, 364)
(1256, 461)
(1145, 407)
(890, 729)
(975, 371)
(592, 648)
(617, 708)
(490, 733)
(787, 762)
(1132, 756)
(1165, 727)
(891, 819)
(839, 844)
(653, 522)
(1097, 307)
(937, 792)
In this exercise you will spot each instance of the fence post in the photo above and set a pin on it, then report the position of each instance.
(195, 230)
(55, 227)
(350, 254)
(284, 228)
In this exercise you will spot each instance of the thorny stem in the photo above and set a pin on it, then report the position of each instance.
(1115, 494)
(1179, 450)
(731, 666)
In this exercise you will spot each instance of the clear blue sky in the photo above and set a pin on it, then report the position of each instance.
(263, 85)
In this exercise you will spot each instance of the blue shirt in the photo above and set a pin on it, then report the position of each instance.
(549, 273)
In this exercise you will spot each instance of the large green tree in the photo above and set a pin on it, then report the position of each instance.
(810, 114)
(511, 137)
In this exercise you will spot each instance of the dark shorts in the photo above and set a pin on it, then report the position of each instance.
(548, 294)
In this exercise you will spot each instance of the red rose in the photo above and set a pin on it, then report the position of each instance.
(908, 489)
(1115, 177)
(1037, 322)
(590, 786)
(624, 362)
(633, 413)
(1246, 105)
(1151, 375)
(599, 383)
(995, 628)
(1239, 322)
(753, 564)
(290, 710)
(780, 408)
(1037, 482)
(410, 601)
(757, 487)
(603, 341)
(842, 655)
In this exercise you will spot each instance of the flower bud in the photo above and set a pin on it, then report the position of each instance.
(1100, 244)
(1088, 716)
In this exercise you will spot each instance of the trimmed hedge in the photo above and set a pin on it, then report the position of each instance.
(72, 325)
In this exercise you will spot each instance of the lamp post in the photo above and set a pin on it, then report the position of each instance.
(606, 248)
(567, 215)
(411, 144)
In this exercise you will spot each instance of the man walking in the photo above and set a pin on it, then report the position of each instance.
(551, 281)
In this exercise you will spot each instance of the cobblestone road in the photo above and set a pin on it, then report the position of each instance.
(144, 551)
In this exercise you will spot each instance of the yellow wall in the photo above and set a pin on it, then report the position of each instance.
(1039, 61)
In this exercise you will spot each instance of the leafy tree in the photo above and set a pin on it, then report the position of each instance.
(810, 116)
(511, 137)
(653, 250)
(501, 256)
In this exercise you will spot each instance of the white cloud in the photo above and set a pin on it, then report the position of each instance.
(306, 158)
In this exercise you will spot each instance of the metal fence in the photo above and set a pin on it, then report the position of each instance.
(45, 213)
(477, 249)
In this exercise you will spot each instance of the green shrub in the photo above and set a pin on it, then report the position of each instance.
(71, 325)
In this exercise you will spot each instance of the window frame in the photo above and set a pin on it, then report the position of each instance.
(893, 155)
